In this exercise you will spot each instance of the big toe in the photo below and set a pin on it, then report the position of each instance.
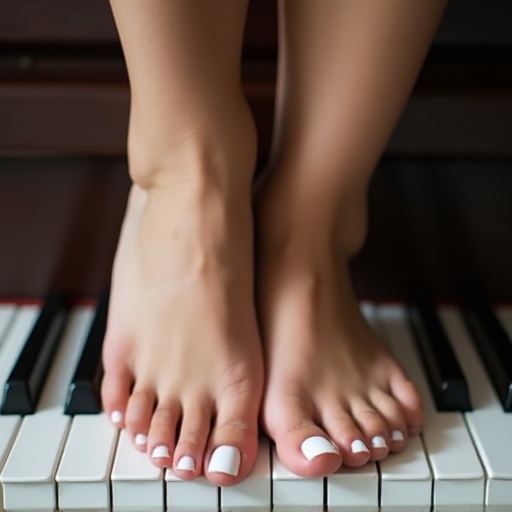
(233, 444)
(302, 446)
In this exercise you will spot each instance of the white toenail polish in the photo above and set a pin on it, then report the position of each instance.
(160, 452)
(225, 459)
(116, 417)
(186, 463)
(397, 435)
(141, 439)
(317, 445)
(379, 442)
(358, 446)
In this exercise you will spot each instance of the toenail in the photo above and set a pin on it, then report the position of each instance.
(116, 417)
(186, 463)
(317, 445)
(225, 459)
(141, 439)
(397, 435)
(358, 446)
(160, 452)
(414, 431)
(379, 442)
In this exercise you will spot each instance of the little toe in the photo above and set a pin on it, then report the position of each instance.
(193, 436)
(374, 427)
(138, 416)
(233, 445)
(115, 393)
(302, 446)
(344, 431)
(409, 398)
(162, 433)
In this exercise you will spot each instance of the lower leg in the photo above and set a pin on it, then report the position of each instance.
(181, 350)
(346, 69)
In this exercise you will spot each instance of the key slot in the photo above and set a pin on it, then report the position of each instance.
(492, 342)
(83, 395)
(24, 384)
(445, 377)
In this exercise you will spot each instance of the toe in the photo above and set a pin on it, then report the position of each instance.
(138, 416)
(345, 433)
(115, 392)
(406, 394)
(302, 446)
(233, 444)
(162, 433)
(392, 412)
(374, 428)
(193, 436)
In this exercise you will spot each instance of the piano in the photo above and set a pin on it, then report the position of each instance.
(440, 221)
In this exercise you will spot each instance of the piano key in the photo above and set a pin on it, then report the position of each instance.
(16, 324)
(446, 379)
(84, 390)
(7, 312)
(254, 493)
(17, 334)
(137, 484)
(493, 344)
(197, 495)
(23, 386)
(458, 475)
(293, 493)
(489, 425)
(83, 475)
(354, 489)
(28, 476)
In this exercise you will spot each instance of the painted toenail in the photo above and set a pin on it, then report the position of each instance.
(116, 417)
(225, 459)
(317, 445)
(397, 435)
(379, 442)
(186, 463)
(160, 452)
(141, 439)
(358, 446)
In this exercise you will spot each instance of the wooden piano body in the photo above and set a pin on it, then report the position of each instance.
(440, 201)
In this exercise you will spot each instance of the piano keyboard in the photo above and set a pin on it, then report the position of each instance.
(462, 461)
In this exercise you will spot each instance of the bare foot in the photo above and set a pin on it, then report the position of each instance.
(182, 356)
(333, 393)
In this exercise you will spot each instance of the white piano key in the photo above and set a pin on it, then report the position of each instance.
(406, 480)
(488, 423)
(17, 332)
(7, 312)
(354, 489)
(137, 484)
(83, 475)
(254, 493)
(28, 476)
(190, 495)
(293, 493)
(15, 326)
(458, 475)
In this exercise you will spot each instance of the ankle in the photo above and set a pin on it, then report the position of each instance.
(213, 153)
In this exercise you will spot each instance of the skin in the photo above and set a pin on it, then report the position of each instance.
(192, 361)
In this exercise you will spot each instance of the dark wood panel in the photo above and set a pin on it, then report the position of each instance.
(439, 221)
(90, 22)
(91, 119)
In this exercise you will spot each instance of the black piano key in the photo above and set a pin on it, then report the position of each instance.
(24, 384)
(493, 344)
(446, 379)
(83, 396)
